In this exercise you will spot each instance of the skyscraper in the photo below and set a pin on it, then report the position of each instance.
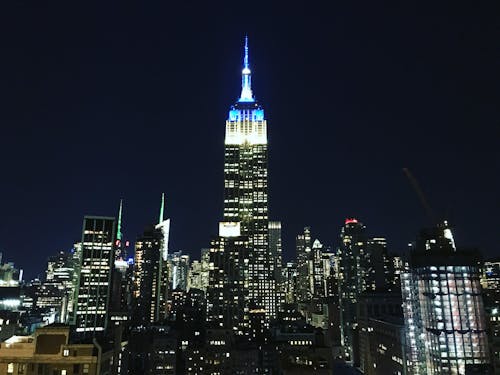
(275, 251)
(178, 269)
(57, 289)
(98, 239)
(245, 189)
(227, 292)
(443, 307)
(351, 260)
(151, 272)
(304, 263)
(199, 272)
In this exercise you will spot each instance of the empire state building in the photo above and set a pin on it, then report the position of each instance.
(246, 193)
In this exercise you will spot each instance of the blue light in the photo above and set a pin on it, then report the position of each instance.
(239, 115)
(130, 261)
(246, 100)
(234, 114)
(258, 114)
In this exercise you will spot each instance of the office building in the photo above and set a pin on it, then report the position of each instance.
(246, 190)
(179, 268)
(303, 248)
(199, 274)
(275, 251)
(151, 278)
(94, 289)
(352, 279)
(56, 292)
(228, 304)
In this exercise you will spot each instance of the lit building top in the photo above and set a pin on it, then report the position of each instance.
(246, 78)
(246, 122)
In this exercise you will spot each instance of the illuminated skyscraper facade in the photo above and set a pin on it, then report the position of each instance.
(304, 263)
(227, 291)
(444, 314)
(98, 239)
(245, 190)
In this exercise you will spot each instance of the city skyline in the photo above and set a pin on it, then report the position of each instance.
(348, 144)
(356, 228)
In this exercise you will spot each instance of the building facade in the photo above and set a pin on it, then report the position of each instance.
(445, 321)
(94, 289)
(246, 190)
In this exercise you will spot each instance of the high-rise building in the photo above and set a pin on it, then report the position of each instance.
(276, 255)
(246, 190)
(324, 275)
(178, 265)
(445, 323)
(147, 277)
(75, 262)
(151, 279)
(304, 264)
(199, 274)
(290, 282)
(228, 291)
(363, 264)
(380, 270)
(56, 291)
(351, 257)
(490, 281)
(94, 289)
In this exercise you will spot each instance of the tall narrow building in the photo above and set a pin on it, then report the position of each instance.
(151, 277)
(245, 190)
(94, 289)
(352, 265)
(303, 256)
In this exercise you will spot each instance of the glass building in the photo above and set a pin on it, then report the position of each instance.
(443, 306)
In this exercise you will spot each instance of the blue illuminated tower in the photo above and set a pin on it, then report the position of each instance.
(245, 192)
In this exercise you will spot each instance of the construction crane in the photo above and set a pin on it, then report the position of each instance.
(414, 183)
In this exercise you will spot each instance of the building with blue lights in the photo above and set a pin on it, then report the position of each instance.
(246, 218)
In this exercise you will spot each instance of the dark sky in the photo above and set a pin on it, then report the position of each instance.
(127, 101)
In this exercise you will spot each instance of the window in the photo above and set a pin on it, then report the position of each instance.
(10, 368)
(66, 352)
(63, 372)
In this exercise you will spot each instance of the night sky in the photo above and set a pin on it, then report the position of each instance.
(127, 101)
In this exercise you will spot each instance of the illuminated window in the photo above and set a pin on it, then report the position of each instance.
(66, 352)
(10, 368)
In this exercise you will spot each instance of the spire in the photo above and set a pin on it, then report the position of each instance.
(246, 78)
(162, 208)
(245, 59)
(119, 229)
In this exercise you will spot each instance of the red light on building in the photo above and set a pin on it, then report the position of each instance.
(117, 243)
(351, 220)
